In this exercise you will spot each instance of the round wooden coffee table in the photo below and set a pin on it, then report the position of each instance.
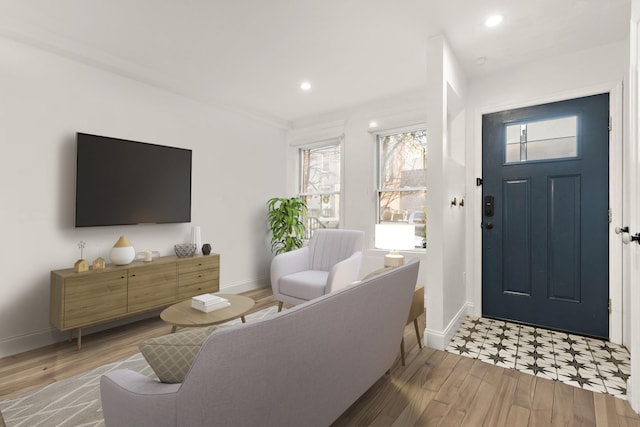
(182, 314)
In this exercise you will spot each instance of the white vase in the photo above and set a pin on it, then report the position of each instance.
(122, 252)
(196, 239)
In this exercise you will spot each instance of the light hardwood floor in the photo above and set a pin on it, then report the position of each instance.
(434, 388)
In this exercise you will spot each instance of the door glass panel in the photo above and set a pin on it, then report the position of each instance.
(542, 140)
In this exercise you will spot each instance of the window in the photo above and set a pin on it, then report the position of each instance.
(402, 177)
(542, 140)
(320, 186)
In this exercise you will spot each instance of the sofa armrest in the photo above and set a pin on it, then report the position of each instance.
(131, 399)
(344, 273)
(288, 263)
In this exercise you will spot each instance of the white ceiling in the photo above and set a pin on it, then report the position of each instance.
(253, 54)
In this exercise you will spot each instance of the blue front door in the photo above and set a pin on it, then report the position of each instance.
(545, 254)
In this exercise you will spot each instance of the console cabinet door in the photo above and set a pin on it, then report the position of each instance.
(151, 287)
(91, 298)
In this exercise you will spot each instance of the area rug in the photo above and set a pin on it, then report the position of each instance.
(75, 401)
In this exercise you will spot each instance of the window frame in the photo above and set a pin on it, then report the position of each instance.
(379, 135)
(331, 142)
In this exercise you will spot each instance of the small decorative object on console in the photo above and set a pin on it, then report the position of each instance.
(206, 249)
(98, 264)
(122, 252)
(209, 302)
(184, 250)
(147, 256)
(81, 265)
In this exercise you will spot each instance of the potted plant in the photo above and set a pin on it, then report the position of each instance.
(286, 223)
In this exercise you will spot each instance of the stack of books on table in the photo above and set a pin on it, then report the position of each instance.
(209, 302)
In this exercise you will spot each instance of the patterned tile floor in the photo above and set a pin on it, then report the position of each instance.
(585, 362)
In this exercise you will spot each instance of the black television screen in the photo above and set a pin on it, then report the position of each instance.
(120, 182)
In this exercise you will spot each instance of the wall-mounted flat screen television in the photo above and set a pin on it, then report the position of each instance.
(120, 182)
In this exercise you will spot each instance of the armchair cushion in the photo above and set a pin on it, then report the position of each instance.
(288, 263)
(171, 356)
(307, 285)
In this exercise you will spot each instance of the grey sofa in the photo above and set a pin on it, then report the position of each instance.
(302, 367)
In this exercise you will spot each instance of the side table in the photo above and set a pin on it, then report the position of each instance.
(417, 309)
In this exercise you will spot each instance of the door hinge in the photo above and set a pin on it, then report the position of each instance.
(478, 182)
(609, 306)
(610, 216)
(610, 123)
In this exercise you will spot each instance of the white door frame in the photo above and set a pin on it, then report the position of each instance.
(615, 197)
(632, 208)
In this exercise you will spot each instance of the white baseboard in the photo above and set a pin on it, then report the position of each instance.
(236, 288)
(440, 339)
(20, 344)
(33, 340)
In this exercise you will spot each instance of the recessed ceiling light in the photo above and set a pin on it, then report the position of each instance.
(373, 124)
(305, 86)
(492, 21)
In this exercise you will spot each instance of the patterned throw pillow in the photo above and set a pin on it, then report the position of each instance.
(171, 356)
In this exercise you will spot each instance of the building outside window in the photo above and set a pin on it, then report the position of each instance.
(320, 186)
(402, 178)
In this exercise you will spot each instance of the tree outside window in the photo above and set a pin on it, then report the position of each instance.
(320, 186)
(402, 177)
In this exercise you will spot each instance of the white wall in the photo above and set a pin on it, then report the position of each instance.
(445, 291)
(582, 73)
(238, 163)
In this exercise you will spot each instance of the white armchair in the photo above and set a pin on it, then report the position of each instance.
(329, 262)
